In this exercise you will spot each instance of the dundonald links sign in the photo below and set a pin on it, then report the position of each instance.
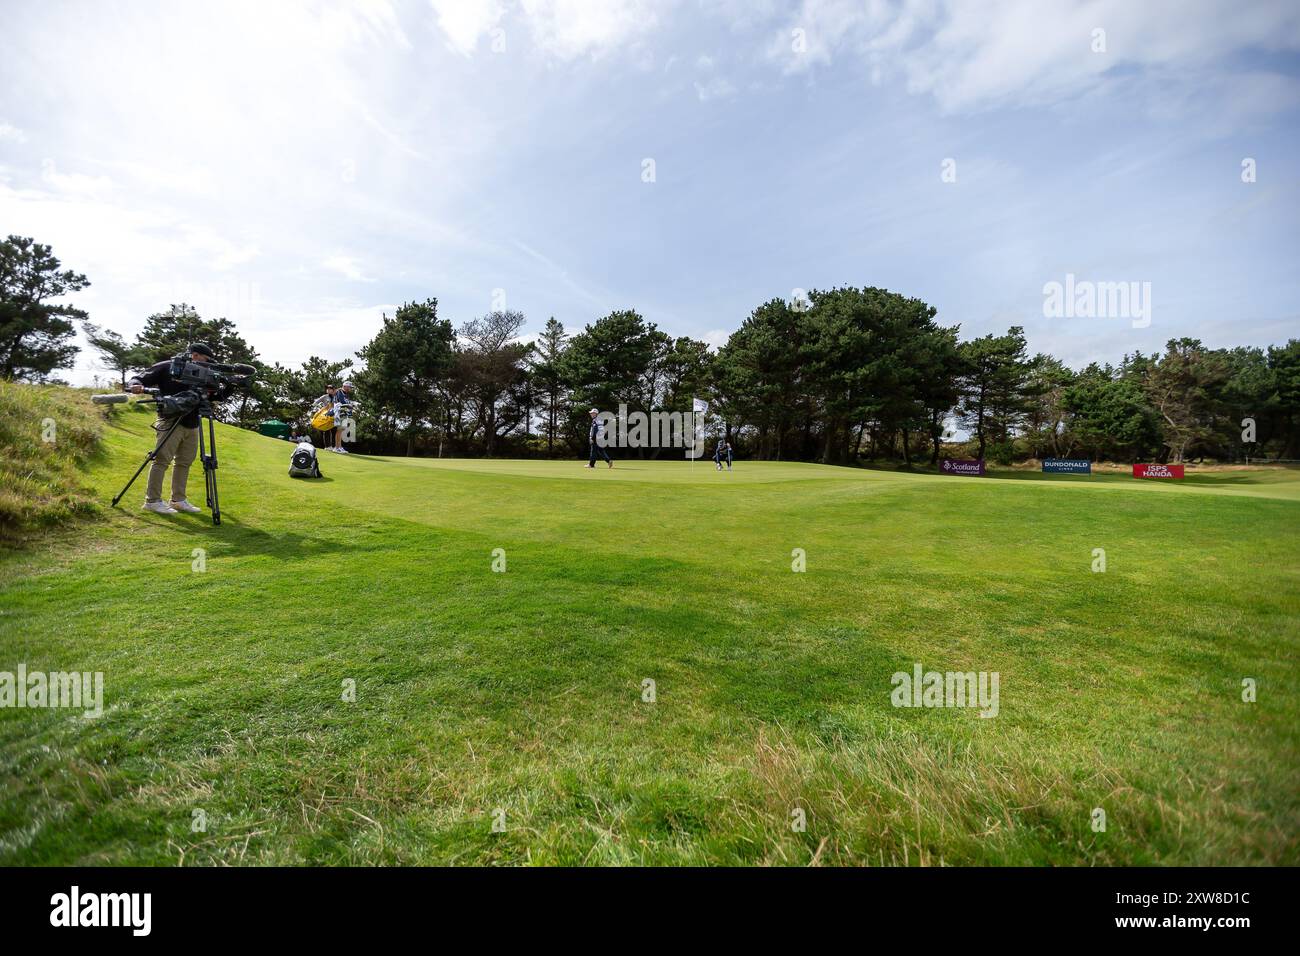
(1067, 466)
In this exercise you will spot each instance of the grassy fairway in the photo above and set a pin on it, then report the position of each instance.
(523, 690)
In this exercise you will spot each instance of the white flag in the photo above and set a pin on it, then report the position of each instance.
(701, 406)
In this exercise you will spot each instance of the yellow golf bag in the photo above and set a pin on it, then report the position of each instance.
(323, 420)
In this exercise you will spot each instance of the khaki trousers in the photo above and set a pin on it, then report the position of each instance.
(181, 447)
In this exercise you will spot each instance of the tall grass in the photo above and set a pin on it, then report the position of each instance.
(47, 432)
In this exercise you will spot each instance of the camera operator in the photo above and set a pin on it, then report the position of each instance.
(182, 445)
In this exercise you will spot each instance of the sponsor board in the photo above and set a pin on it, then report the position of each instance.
(971, 467)
(1157, 471)
(1067, 466)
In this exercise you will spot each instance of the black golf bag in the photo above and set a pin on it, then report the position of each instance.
(303, 463)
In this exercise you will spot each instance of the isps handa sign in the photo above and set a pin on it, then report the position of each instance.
(1157, 471)
(970, 467)
(1067, 466)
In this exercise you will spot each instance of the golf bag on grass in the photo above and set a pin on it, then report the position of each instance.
(303, 463)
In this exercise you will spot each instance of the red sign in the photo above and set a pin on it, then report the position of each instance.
(971, 467)
(1157, 471)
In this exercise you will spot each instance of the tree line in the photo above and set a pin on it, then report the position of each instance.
(839, 376)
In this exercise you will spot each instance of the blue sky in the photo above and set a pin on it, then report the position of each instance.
(305, 167)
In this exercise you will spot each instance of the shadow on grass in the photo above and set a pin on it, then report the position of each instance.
(237, 538)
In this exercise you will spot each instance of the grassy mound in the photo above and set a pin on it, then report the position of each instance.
(47, 434)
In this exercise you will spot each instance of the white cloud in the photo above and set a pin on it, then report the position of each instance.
(11, 134)
(74, 183)
(558, 272)
(560, 29)
(716, 338)
(347, 267)
(714, 88)
(225, 254)
(569, 29)
(970, 55)
(338, 330)
(464, 21)
(337, 26)
(812, 35)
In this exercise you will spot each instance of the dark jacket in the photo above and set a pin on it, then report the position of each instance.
(160, 377)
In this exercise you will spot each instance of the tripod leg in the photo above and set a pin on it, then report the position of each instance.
(148, 459)
(203, 460)
(210, 469)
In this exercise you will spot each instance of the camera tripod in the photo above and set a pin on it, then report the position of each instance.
(207, 454)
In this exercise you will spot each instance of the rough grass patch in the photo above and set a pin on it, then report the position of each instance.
(41, 481)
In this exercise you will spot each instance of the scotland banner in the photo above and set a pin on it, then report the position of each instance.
(1067, 466)
(970, 467)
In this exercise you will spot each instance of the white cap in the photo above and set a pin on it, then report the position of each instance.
(594, 411)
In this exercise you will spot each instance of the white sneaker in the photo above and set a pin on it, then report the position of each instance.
(343, 451)
(184, 505)
(159, 508)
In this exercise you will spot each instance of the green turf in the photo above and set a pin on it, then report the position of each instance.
(521, 692)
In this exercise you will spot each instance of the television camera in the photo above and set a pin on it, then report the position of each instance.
(202, 382)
